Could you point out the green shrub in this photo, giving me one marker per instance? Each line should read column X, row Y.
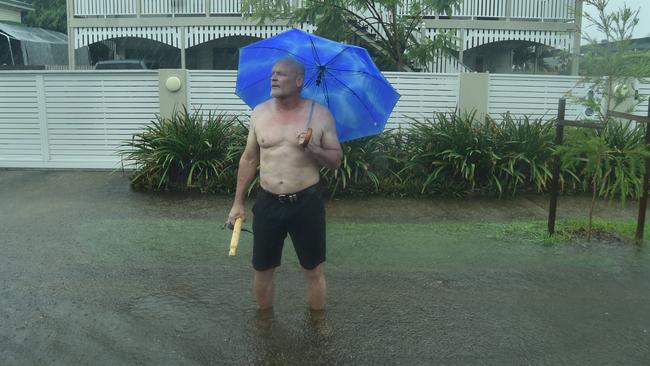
column 187, row 152
column 610, row 162
column 450, row 154
column 365, row 164
column 525, row 148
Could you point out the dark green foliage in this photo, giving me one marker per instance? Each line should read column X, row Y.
column 187, row 151
column 526, row 148
column 449, row 154
column 364, row 162
column 48, row 14
column 609, row 162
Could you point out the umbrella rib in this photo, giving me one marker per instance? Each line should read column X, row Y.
column 327, row 95
column 337, row 55
column 353, row 93
column 313, row 50
column 308, row 82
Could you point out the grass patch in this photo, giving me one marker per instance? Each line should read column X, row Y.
column 445, row 247
column 572, row 230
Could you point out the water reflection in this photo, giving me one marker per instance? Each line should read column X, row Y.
column 283, row 341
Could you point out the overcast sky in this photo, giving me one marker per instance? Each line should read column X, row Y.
column 642, row 29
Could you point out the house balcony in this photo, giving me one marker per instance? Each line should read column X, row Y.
column 513, row 10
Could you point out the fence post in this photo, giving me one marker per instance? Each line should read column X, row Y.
column 173, row 91
column 473, row 93
column 555, row 178
column 640, row 224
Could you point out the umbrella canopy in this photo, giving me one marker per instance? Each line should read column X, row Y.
column 341, row 77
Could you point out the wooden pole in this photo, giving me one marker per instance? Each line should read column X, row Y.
column 234, row 241
column 555, row 178
column 640, row 224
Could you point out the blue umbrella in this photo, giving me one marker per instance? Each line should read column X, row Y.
column 341, row 77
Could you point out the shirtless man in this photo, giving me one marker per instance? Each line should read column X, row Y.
column 288, row 200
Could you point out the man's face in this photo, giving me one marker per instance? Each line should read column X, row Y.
column 285, row 80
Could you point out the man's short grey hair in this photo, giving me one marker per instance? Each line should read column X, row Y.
column 296, row 65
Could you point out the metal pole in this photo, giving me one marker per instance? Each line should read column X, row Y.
column 555, row 178
column 640, row 224
column 11, row 52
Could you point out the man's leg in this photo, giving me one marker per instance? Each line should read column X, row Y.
column 316, row 287
column 263, row 287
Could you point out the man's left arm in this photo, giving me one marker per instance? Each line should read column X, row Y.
column 327, row 151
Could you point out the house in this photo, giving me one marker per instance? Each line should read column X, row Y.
column 205, row 34
column 11, row 10
column 29, row 47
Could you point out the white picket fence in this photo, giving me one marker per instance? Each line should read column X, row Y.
column 63, row 119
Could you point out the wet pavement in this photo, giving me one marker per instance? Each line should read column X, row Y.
column 92, row 273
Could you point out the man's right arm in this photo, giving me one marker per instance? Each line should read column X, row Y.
column 247, row 170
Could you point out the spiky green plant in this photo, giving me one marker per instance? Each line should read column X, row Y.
column 451, row 151
column 610, row 162
column 364, row 162
column 186, row 151
column 525, row 148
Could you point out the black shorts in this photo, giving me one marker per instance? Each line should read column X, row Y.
column 301, row 215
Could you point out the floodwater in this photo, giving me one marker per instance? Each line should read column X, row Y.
column 94, row 274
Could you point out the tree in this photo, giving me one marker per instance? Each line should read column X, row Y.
column 605, row 65
column 48, row 14
column 391, row 29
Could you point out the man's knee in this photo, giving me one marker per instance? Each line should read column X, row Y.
column 264, row 276
column 315, row 274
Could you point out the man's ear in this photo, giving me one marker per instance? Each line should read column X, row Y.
column 300, row 80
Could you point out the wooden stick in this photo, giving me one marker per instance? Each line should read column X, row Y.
column 234, row 241
column 305, row 142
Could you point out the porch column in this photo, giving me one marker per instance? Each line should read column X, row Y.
column 577, row 34
column 72, row 62
column 183, row 47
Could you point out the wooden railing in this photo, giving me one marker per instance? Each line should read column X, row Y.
column 558, row 10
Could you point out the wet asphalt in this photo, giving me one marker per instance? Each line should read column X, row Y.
column 92, row 273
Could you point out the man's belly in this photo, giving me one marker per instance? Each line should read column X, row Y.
column 287, row 179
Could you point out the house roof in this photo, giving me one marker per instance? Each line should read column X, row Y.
column 23, row 5
column 30, row 34
column 636, row 44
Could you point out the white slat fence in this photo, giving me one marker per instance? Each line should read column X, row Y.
column 72, row 119
column 63, row 119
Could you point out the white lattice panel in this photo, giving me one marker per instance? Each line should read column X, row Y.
column 478, row 37
column 166, row 35
column 201, row 34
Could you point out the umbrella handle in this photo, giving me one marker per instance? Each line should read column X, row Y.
column 307, row 138
column 235, row 237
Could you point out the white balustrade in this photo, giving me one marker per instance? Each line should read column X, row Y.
column 561, row 10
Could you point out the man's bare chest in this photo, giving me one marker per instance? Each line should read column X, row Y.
column 273, row 133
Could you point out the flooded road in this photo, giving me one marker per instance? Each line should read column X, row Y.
column 94, row 274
